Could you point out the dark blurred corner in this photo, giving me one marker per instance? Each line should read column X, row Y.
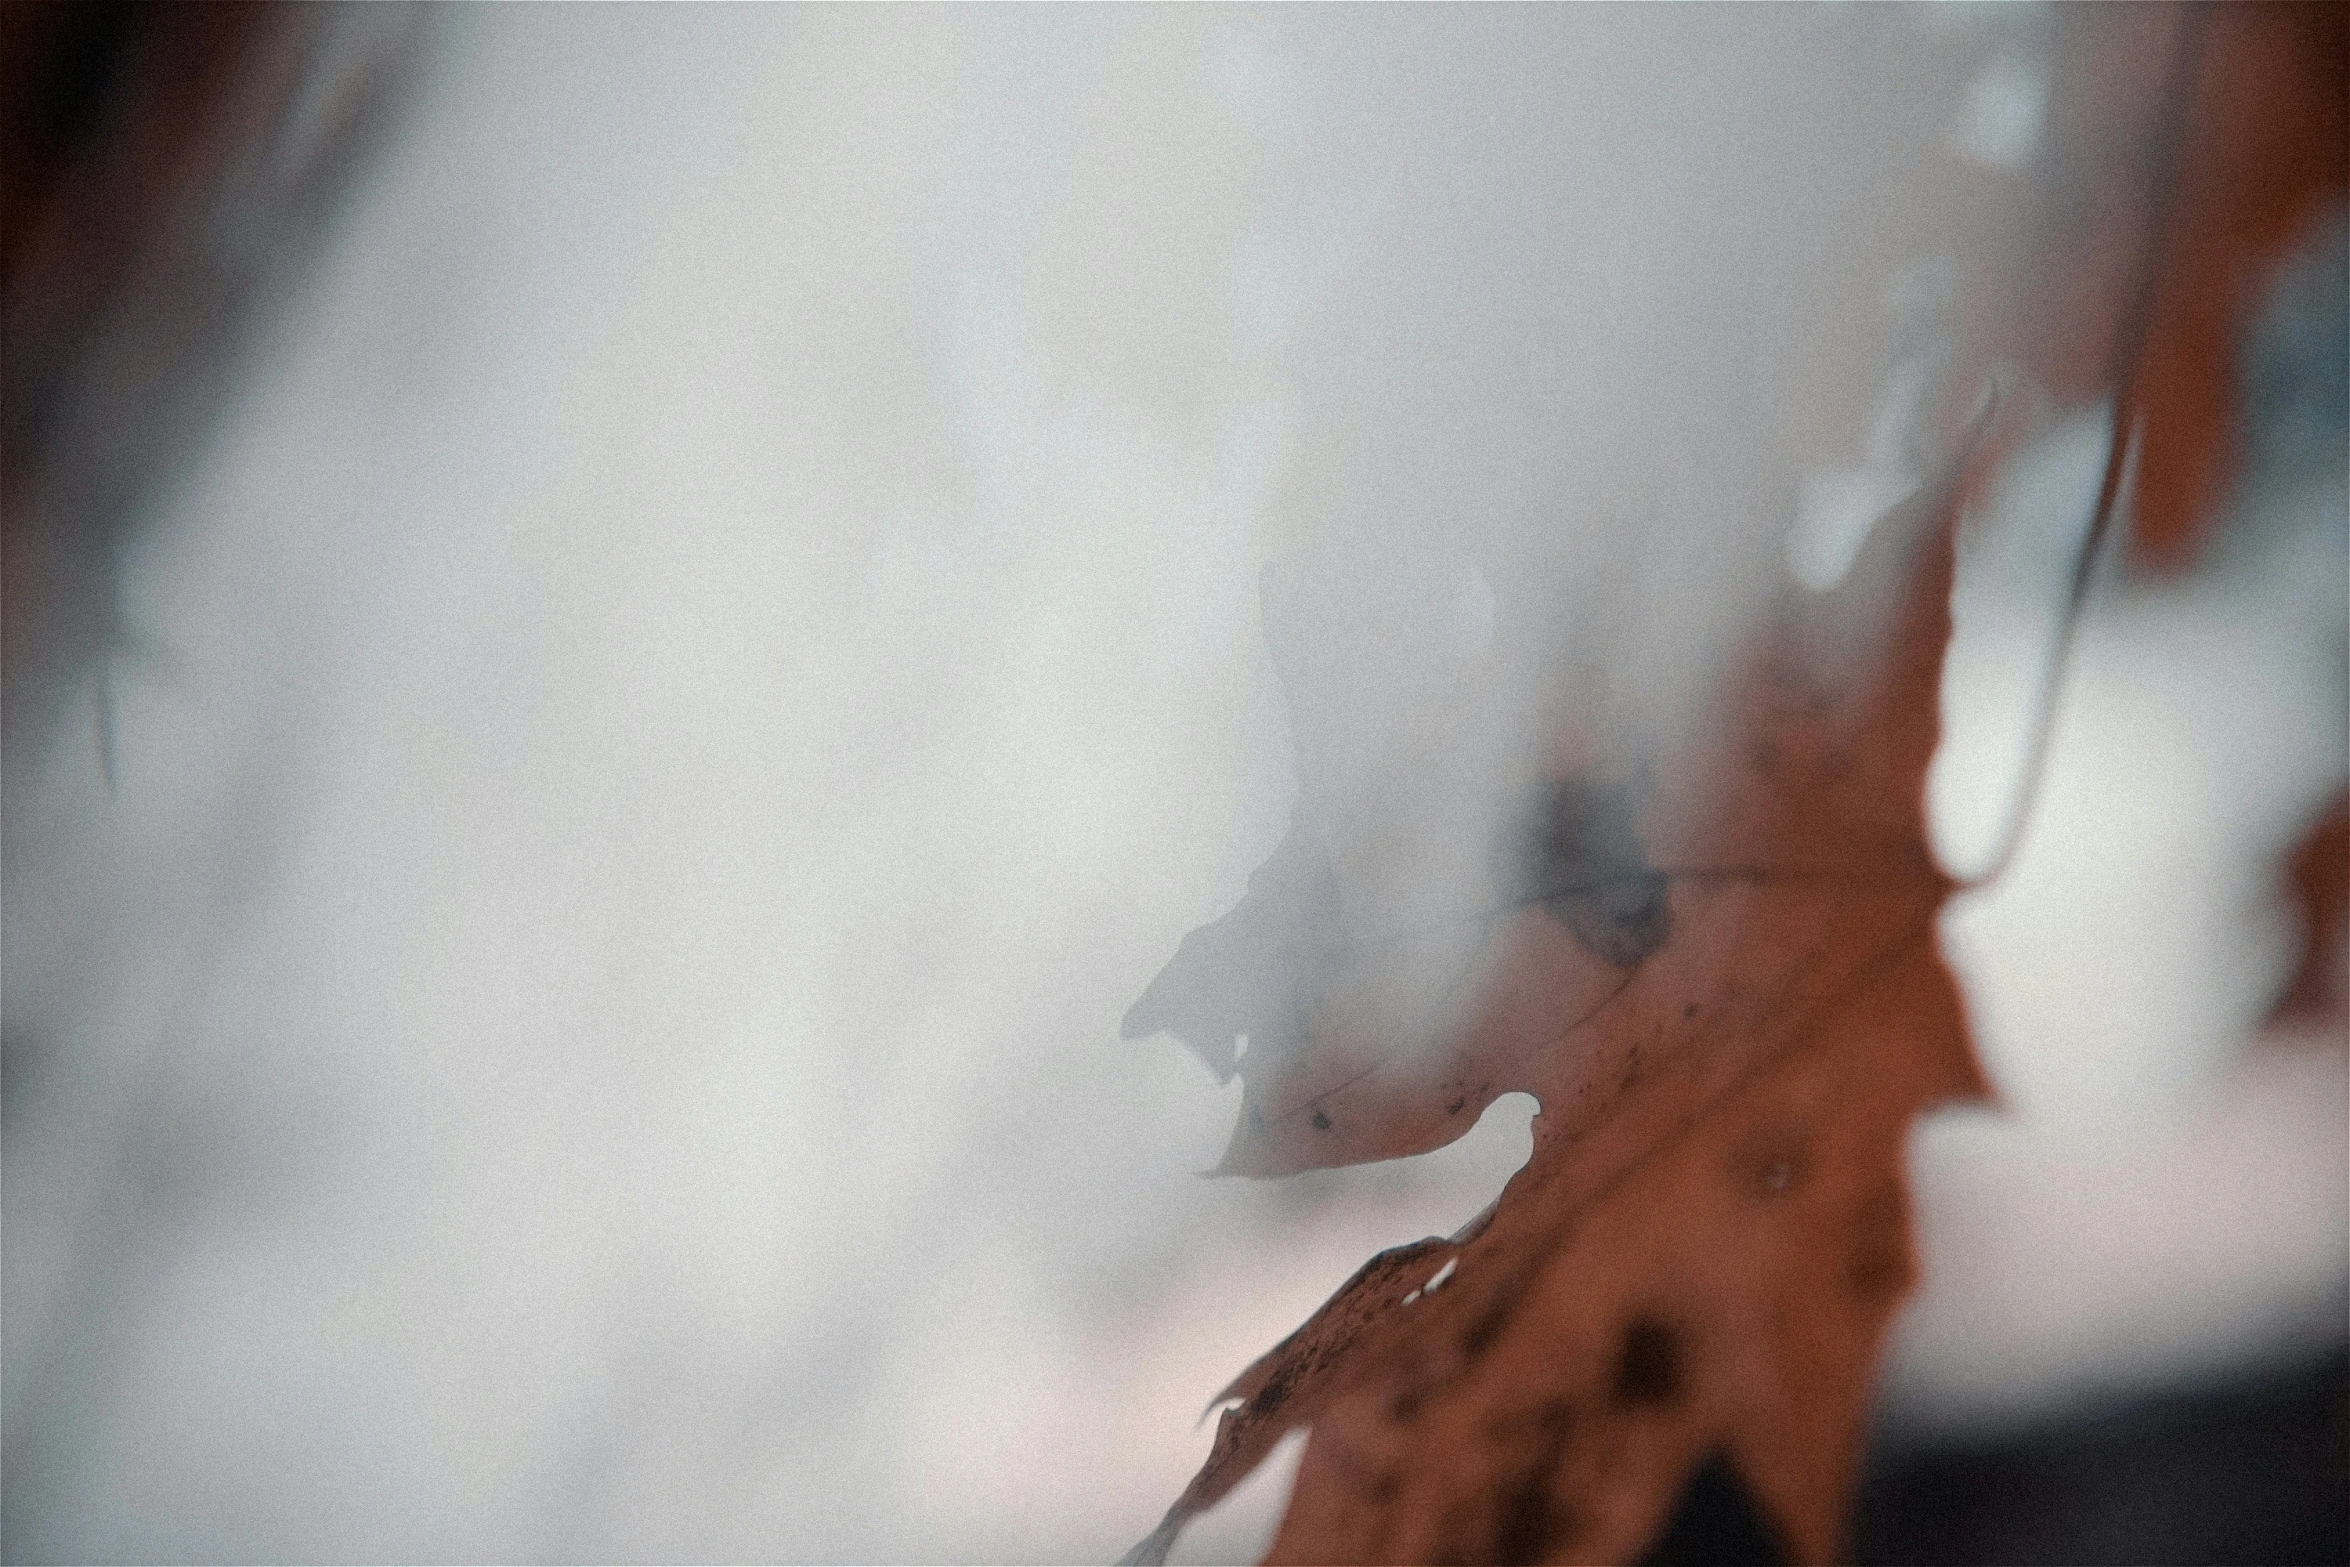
column 167, row 170
column 2253, row 1472
column 2256, row 1471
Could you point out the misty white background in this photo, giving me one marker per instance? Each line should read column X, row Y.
column 717, row 649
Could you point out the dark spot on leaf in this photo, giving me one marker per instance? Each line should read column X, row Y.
column 1483, row 1332
column 1622, row 920
column 1386, row 1488
column 1773, row 1162
column 1455, row 1107
column 1524, row 1528
column 1406, row 1406
column 1272, row 1395
column 1648, row 1366
column 1321, row 1122
column 1578, row 855
column 1689, row 1011
column 1716, row 1523
column 1530, row 1524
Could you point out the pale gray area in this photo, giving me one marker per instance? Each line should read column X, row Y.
column 720, row 649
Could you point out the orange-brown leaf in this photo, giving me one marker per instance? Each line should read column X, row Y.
column 2266, row 151
column 2318, row 878
column 2194, row 148
column 1718, row 974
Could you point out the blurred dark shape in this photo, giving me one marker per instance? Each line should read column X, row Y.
column 1716, row 1524
column 168, row 170
column 1579, row 856
column 2256, row 1472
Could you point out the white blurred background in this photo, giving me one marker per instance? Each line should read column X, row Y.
column 715, row 648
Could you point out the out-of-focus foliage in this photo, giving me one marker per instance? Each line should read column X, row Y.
column 169, row 172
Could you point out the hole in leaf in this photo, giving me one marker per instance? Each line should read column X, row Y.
column 1716, row 1523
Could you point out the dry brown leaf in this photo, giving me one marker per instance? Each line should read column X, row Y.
column 1716, row 968
column 1721, row 981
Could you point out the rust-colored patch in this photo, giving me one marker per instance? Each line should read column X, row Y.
column 2318, row 881
column 1648, row 1366
column 1709, row 1239
column 2266, row 151
column 1725, row 989
column 2192, row 148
